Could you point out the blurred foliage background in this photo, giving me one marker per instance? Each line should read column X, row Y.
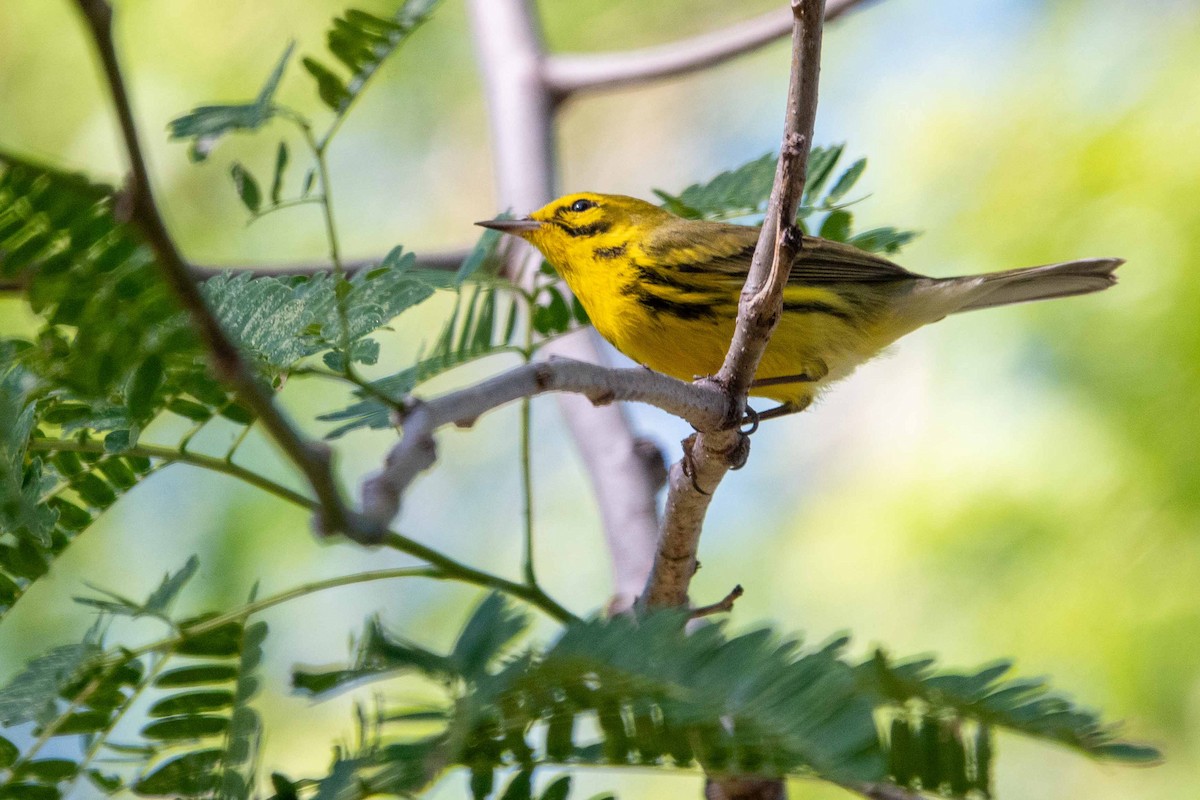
column 1023, row 482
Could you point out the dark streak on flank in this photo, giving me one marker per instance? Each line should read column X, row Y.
column 816, row 307
column 609, row 253
column 734, row 263
column 663, row 278
column 686, row 311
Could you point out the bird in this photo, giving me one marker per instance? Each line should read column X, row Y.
column 664, row 291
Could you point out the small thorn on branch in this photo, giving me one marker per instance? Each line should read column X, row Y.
column 724, row 606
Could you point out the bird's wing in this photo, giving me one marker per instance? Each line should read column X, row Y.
column 824, row 261
column 723, row 252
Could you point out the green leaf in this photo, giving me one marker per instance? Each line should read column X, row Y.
column 821, row 161
column 282, row 321
column 109, row 784
column 191, row 703
column 836, row 226
column 281, row 161
column 380, row 655
column 189, row 775
column 225, row 640
column 196, row 675
column 559, row 789
column 9, row 753
column 467, row 336
column 362, row 42
column 48, row 770
column 162, row 597
column 192, row 726
column 487, row 633
column 247, row 187
column 205, row 125
column 554, row 316
column 845, row 182
column 520, row 787
column 482, row 254
column 329, row 86
column 1023, row 706
column 31, row 695
column 882, row 240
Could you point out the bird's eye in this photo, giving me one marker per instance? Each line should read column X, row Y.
column 582, row 205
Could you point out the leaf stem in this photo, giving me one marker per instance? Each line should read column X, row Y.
column 449, row 568
column 527, row 462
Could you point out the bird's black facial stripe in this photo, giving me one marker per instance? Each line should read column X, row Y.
column 584, row 230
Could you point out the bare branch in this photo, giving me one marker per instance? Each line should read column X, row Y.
column 567, row 74
column 723, row 606
column 416, row 451
column 312, row 458
column 711, row 453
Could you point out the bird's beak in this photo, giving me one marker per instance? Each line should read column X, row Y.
column 513, row 226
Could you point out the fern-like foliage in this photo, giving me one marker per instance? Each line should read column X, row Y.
column 202, row 737
column 80, row 394
column 361, row 42
column 743, row 193
column 939, row 725
column 282, row 321
column 46, row 498
column 485, row 320
column 642, row 691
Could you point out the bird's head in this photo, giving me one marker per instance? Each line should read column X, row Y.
column 574, row 226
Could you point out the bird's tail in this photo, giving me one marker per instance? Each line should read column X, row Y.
column 1040, row 283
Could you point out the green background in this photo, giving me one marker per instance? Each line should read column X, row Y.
column 1022, row 482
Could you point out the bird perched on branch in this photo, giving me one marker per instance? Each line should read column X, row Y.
column 664, row 291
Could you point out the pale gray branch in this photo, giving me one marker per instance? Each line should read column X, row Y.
column 416, row 451
column 570, row 73
column 711, row 453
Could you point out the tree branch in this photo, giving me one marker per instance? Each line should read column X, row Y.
column 708, row 455
column 312, row 458
column 568, row 74
column 417, row 451
column 722, row 606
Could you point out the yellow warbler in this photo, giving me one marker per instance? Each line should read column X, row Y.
column 664, row 291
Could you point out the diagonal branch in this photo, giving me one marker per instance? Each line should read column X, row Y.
column 567, row 74
column 709, row 454
column 702, row 406
column 313, row 459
